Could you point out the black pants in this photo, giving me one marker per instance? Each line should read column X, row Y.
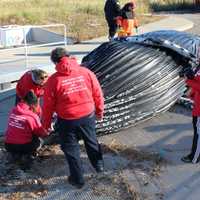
column 70, row 131
column 23, row 149
column 195, row 154
column 112, row 27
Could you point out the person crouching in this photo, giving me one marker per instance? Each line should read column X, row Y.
column 33, row 80
column 23, row 130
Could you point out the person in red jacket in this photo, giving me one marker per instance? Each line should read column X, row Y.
column 74, row 93
column 193, row 81
column 33, row 80
column 24, row 128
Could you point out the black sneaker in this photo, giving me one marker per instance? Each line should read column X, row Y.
column 186, row 159
column 75, row 184
column 99, row 167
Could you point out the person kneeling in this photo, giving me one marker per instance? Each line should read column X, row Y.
column 23, row 131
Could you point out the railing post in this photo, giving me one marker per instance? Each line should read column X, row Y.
column 25, row 47
column 65, row 35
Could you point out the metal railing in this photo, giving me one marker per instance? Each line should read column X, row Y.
column 26, row 46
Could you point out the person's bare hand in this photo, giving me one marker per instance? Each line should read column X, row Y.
column 99, row 118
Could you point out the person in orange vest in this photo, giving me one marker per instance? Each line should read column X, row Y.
column 127, row 21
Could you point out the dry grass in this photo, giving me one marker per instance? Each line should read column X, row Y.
column 150, row 162
column 31, row 184
column 131, row 153
column 84, row 18
column 145, row 166
column 35, row 183
column 112, row 185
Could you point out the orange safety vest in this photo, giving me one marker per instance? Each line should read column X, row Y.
column 126, row 26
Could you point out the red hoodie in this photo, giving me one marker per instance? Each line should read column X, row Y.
column 22, row 124
column 25, row 84
column 195, row 93
column 72, row 92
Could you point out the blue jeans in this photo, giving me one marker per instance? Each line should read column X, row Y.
column 70, row 131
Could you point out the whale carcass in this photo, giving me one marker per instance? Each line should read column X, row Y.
column 140, row 75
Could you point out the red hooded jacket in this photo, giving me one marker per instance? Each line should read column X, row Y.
column 25, row 84
column 22, row 125
column 195, row 93
column 72, row 92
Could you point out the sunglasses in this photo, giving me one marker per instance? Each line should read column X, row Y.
column 43, row 77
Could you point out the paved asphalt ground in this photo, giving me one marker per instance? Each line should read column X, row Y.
column 195, row 18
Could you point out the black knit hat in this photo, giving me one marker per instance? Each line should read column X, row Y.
column 58, row 53
column 31, row 98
